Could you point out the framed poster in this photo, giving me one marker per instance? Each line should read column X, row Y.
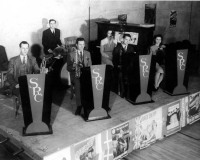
column 193, row 109
column 150, row 14
column 86, row 149
column 120, row 140
column 173, row 19
column 172, row 118
column 184, row 105
column 116, row 142
column 134, row 37
column 147, row 129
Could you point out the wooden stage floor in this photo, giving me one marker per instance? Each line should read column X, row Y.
column 69, row 129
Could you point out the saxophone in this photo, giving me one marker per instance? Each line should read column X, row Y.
column 43, row 68
column 78, row 65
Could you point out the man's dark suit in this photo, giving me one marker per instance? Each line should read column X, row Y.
column 122, row 61
column 14, row 70
column 71, row 68
column 3, row 59
column 50, row 40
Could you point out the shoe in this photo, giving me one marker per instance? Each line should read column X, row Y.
column 154, row 88
column 78, row 110
column 108, row 110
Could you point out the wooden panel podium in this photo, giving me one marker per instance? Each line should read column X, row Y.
column 36, row 101
column 139, row 90
column 177, row 73
column 95, row 91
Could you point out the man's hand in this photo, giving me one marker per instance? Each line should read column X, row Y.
column 62, row 45
column 17, row 86
column 50, row 51
column 79, row 64
column 105, row 55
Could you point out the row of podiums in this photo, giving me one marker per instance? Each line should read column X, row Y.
column 95, row 88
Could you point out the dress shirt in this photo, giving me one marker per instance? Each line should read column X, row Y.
column 53, row 31
column 22, row 58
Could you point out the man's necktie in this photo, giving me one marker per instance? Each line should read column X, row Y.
column 24, row 60
column 125, row 48
column 81, row 56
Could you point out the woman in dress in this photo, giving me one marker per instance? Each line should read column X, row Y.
column 157, row 52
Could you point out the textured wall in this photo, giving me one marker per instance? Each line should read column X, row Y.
column 136, row 10
column 26, row 19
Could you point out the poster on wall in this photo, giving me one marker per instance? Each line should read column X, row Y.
column 193, row 109
column 184, row 105
column 116, row 142
column 134, row 37
column 120, row 140
column 172, row 117
column 147, row 129
column 173, row 18
column 62, row 154
column 107, row 147
column 86, row 150
column 150, row 14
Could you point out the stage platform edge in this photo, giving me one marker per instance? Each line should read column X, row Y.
column 131, row 127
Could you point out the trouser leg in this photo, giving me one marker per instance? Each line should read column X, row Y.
column 77, row 91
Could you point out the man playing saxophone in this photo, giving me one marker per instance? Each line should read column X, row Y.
column 75, row 61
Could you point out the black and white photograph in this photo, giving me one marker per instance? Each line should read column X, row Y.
column 99, row 80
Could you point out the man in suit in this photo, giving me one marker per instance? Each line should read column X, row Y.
column 20, row 65
column 123, row 55
column 75, row 61
column 51, row 38
column 3, row 59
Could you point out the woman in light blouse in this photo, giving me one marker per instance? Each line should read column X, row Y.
column 107, row 46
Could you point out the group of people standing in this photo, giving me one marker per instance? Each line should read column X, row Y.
column 25, row 63
column 122, row 55
column 119, row 55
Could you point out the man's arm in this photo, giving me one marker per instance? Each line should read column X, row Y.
column 10, row 74
column 58, row 38
column 89, row 63
column 70, row 62
column 36, row 68
column 44, row 40
column 102, row 49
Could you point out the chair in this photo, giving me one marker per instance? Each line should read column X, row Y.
column 70, row 43
column 3, row 65
column 3, row 77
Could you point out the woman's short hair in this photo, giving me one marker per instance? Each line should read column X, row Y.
column 156, row 36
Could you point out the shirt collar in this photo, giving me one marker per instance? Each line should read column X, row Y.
column 79, row 52
column 52, row 30
column 23, row 56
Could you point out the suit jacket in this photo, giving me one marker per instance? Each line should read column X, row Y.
column 71, row 58
column 14, row 67
column 126, row 56
column 3, row 59
column 49, row 40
